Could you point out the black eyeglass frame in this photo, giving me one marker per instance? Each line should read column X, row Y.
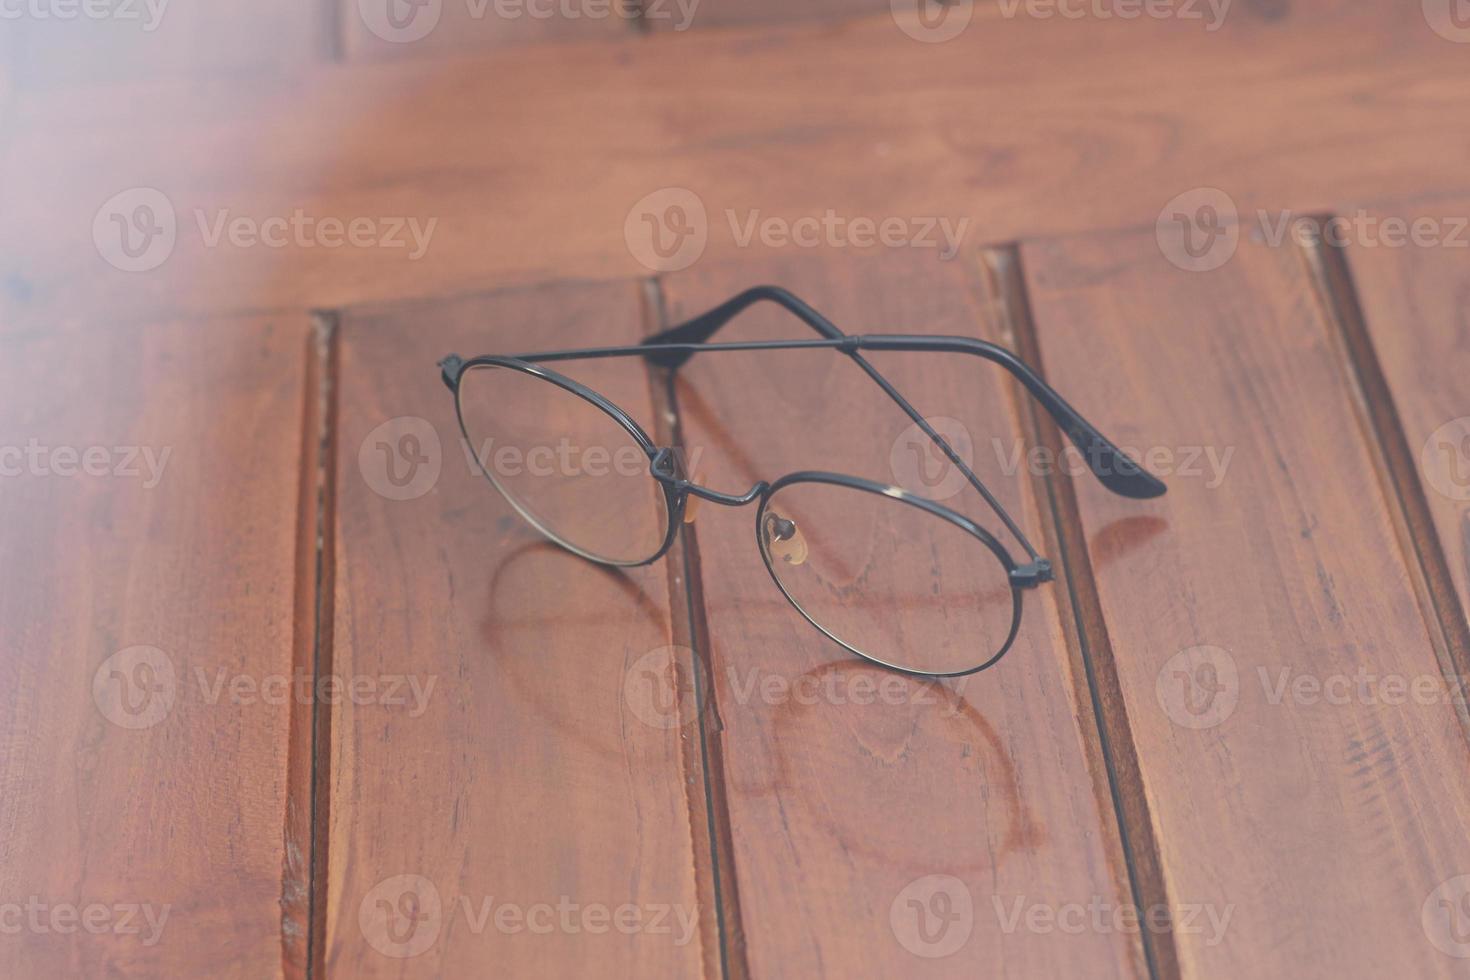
column 673, row 347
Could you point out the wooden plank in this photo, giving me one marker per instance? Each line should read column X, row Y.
column 1303, row 756
column 378, row 29
column 150, row 511
column 862, row 801
column 533, row 775
column 1413, row 307
column 497, row 158
column 66, row 45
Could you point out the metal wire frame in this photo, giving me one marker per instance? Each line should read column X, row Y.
column 673, row 347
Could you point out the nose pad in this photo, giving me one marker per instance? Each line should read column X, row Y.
column 783, row 538
column 691, row 508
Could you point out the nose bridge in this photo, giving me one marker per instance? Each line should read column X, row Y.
column 727, row 499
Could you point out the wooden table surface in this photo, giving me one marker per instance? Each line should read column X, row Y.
column 286, row 689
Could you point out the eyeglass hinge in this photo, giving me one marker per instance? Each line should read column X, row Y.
column 449, row 369
column 1031, row 574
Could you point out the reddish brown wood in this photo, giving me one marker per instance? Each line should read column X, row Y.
column 532, row 160
column 838, row 807
column 149, row 625
column 1299, row 808
column 1412, row 300
column 439, row 27
column 534, row 774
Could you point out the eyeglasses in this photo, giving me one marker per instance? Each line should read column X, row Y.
column 899, row 580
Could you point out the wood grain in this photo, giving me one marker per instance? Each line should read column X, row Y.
column 530, row 180
column 1245, row 611
column 148, row 628
column 439, row 27
column 993, row 781
column 534, row 775
column 1413, row 300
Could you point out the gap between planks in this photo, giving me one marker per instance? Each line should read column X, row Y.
column 1383, row 433
column 303, row 920
column 700, row 725
column 1088, row 642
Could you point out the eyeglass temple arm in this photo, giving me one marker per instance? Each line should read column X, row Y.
column 1107, row 462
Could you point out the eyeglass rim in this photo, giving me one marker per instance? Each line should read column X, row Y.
column 913, row 500
column 676, row 499
column 673, row 499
